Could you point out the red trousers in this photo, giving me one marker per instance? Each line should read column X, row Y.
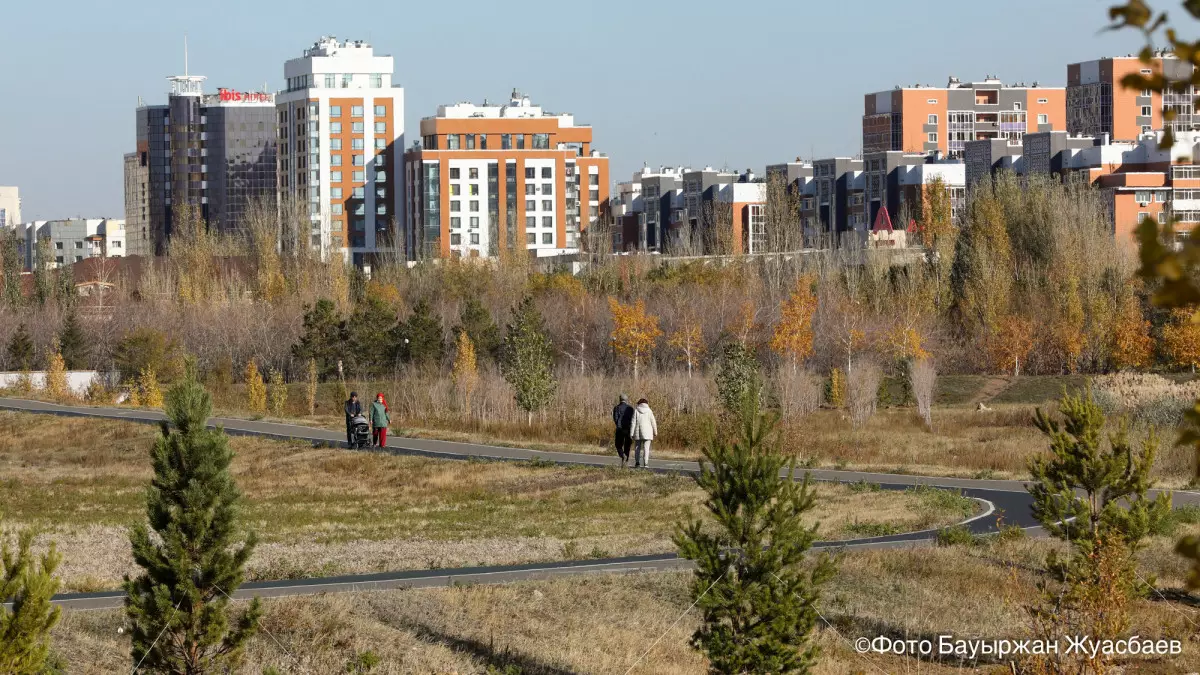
column 380, row 436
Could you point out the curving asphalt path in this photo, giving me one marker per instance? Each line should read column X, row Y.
column 1004, row 501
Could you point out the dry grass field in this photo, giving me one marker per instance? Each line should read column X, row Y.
column 323, row 511
column 604, row 624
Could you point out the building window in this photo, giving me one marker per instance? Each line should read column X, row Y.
column 547, row 205
column 358, row 193
column 474, row 205
column 356, row 127
column 1161, row 196
column 335, row 193
column 451, row 141
column 78, row 258
column 335, row 127
column 358, row 160
column 455, row 189
column 1142, row 196
column 335, row 160
column 475, row 223
column 360, row 176
column 1147, row 111
column 453, row 173
column 594, row 195
column 547, row 221
column 380, row 111
column 547, row 188
column 530, row 222
column 594, row 179
column 356, row 144
column 530, row 189
column 455, row 222
column 473, row 174
column 1143, row 216
column 474, row 189
column 335, row 111
column 380, row 127
column 1043, row 119
column 520, row 141
column 58, row 245
column 932, row 137
column 335, row 144
column 932, row 119
column 455, row 239
column 530, row 173
column 376, row 80
column 530, row 238
column 483, row 141
column 336, row 209
column 475, row 238
column 531, row 205
column 547, row 238
column 59, row 259
column 380, row 143
column 546, row 172
column 506, row 141
column 356, row 111
column 455, row 205
column 337, row 224
column 541, row 141
column 470, row 141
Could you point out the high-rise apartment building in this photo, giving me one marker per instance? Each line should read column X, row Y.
column 10, row 206
column 502, row 177
column 923, row 119
column 1098, row 104
column 210, row 154
column 341, row 138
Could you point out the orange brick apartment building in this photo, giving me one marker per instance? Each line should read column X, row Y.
column 486, row 179
column 925, row 119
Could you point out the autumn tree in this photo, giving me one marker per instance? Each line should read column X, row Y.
column 276, row 392
column 10, row 268
column 981, row 277
column 476, row 321
column 323, row 337
column 57, row 386
column 369, row 338
column 1181, row 340
column 256, row 389
column 939, row 235
column 635, row 333
column 419, row 339
column 310, row 387
column 72, row 343
column 1010, row 343
column 20, row 349
column 528, row 363
column 464, row 373
column 793, row 335
column 1132, row 345
column 688, row 340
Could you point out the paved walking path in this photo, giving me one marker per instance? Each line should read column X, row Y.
column 1005, row 502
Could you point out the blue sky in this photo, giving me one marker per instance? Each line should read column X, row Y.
column 734, row 84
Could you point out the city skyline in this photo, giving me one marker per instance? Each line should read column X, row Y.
column 693, row 102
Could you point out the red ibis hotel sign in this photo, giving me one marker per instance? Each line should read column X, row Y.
column 234, row 96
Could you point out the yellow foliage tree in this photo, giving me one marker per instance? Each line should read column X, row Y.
column 689, row 340
column 1132, row 345
column 905, row 343
column 1181, row 340
column 57, row 386
column 277, row 392
column 135, row 393
column 151, row 394
column 1010, row 343
column 793, row 335
column 464, row 374
column 256, row 389
column 635, row 333
column 837, row 388
column 311, row 387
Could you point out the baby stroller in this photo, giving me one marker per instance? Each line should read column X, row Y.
column 360, row 432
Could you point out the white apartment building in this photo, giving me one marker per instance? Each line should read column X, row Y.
column 74, row 240
column 10, row 206
column 341, row 147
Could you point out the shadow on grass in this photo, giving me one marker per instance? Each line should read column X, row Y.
column 503, row 659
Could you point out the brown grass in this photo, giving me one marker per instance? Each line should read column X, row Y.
column 603, row 624
column 322, row 511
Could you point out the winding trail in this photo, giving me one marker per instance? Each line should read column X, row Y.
column 1004, row 502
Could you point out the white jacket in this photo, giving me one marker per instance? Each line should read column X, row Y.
column 645, row 427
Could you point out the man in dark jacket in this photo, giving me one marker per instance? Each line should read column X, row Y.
column 623, row 421
column 353, row 409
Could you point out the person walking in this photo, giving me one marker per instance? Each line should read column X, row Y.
column 623, row 422
column 645, row 428
column 379, row 421
column 353, row 409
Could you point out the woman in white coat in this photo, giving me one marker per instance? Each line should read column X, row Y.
column 645, row 428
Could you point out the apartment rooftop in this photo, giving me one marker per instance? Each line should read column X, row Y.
column 518, row 106
column 328, row 45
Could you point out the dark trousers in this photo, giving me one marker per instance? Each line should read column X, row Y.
column 349, row 433
column 624, row 443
